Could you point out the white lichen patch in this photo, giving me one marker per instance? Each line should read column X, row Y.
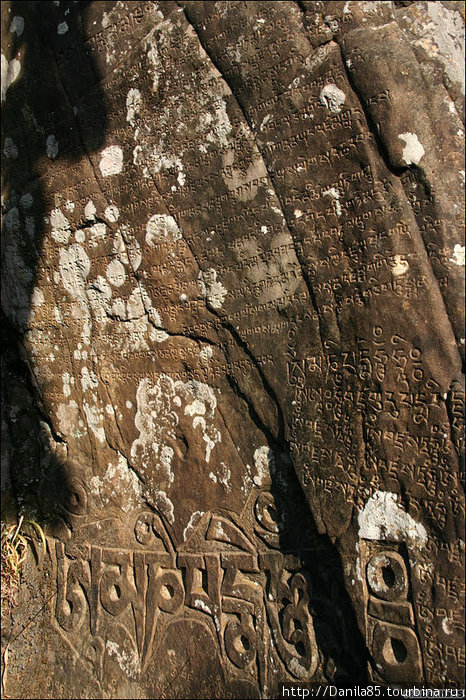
column 214, row 124
column 439, row 32
column 155, row 65
column 193, row 521
column 332, row 98
column 400, row 265
column 264, row 463
column 97, row 233
column 133, row 106
column 10, row 71
column 162, row 228
column 161, row 501
column 62, row 28
column 160, row 406
column 213, row 290
column 37, row 297
column 127, row 248
column 119, row 483
column 205, row 354
column 413, row 150
column 9, row 148
column 68, row 418
column 127, row 661
column 112, row 213
column 95, row 417
column 61, row 228
column 66, row 379
column 17, row 25
column 458, row 255
column 334, row 193
column 224, row 474
column 89, row 380
column 446, row 626
column 111, row 161
column 74, row 268
column 90, row 211
column 384, row 518
column 51, row 146
column 116, row 273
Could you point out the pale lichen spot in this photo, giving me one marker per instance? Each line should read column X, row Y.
column 413, row 150
column 332, row 97
column 399, row 266
column 17, row 25
column 211, row 288
column 384, row 518
column 74, row 268
column 162, row 227
column 97, row 233
column 458, row 255
column 88, row 379
column 9, row 73
column 37, row 298
column 51, row 146
column 446, row 626
column 62, row 28
column 61, row 228
column 264, row 463
column 66, row 384
column 133, row 105
column 334, row 193
column 9, row 148
column 111, row 161
column 68, row 416
column 165, row 505
column 112, row 213
column 90, row 211
column 205, row 354
column 94, row 417
column 127, row 661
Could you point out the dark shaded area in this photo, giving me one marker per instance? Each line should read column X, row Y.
column 54, row 110
column 338, row 637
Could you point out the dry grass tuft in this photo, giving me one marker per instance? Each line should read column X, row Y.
column 14, row 549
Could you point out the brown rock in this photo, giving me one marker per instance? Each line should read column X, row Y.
column 233, row 296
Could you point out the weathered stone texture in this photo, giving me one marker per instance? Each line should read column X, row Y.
column 233, row 292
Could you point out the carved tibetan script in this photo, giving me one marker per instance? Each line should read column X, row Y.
column 233, row 273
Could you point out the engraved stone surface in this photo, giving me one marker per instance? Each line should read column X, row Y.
column 233, row 303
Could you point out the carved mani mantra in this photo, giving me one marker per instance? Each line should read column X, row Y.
column 255, row 602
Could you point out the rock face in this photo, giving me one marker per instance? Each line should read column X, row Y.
column 233, row 300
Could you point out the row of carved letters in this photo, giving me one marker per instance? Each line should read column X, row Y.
column 223, row 586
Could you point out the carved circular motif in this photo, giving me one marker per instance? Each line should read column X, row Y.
column 266, row 512
column 143, row 528
column 387, row 576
